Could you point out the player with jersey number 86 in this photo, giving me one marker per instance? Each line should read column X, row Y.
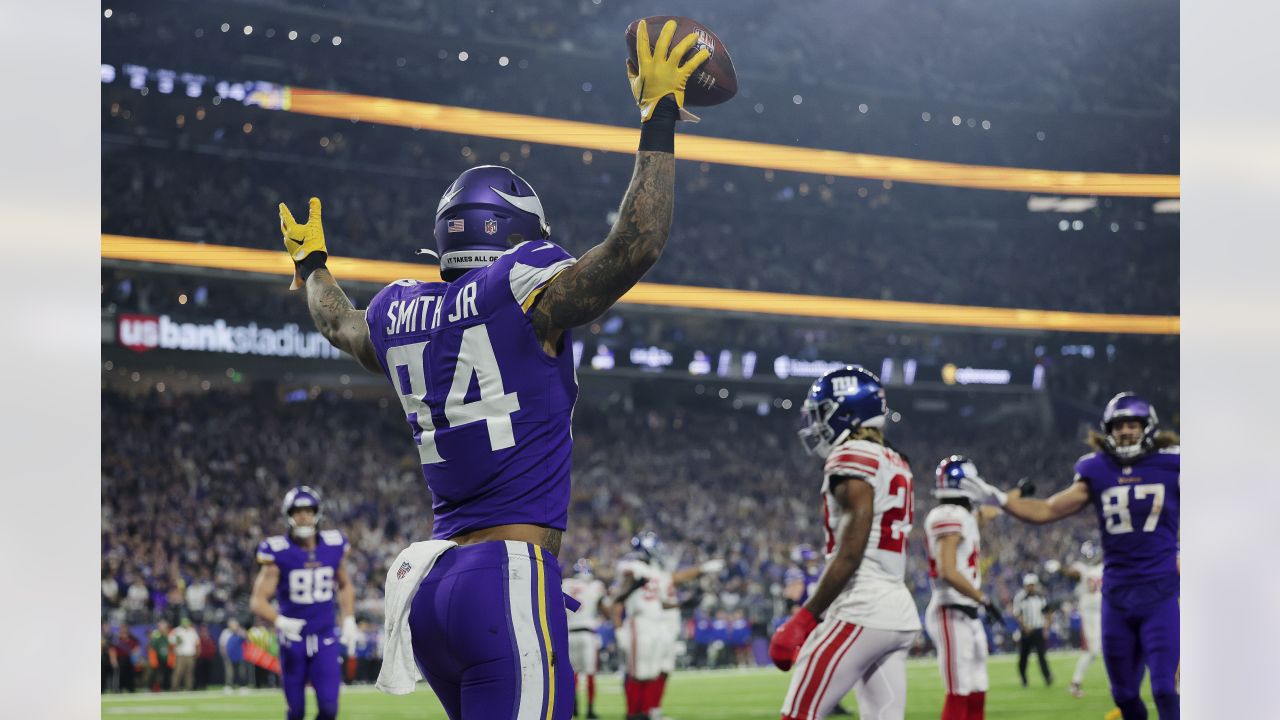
column 858, row 624
column 306, row 572
column 1132, row 479
column 483, row 368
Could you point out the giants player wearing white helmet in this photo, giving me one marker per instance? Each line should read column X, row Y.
column 954, row 544
column 1087, row 572
column 857, row 626
column 584, row 642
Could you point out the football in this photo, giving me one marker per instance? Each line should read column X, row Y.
column 712, row 83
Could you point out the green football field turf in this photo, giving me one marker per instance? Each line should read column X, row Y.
column 754, row 693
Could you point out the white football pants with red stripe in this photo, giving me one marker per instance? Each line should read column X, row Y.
column 643, row 642
column 840, row 656
column 962, row 649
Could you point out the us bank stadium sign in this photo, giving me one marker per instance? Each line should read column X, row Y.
column 142, row 333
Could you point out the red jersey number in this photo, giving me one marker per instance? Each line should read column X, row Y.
column 891, row 536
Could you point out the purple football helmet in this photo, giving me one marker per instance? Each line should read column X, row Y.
column 297, row 499
column 803, row 554
column 839, row 403
column 478, row 214
column 1124, row 406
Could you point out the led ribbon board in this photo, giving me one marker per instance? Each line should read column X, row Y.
column 275, row 262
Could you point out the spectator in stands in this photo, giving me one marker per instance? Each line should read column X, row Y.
column 205, row 655
column 128, row 657
column 109, row 661
column 159, row 657
column 197, row 596
column 231, row 646
column 137, row 600
column 185, row 646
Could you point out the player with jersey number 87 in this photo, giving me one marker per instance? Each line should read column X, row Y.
column 856, row 627
column 1132, row 479
column 482, row 364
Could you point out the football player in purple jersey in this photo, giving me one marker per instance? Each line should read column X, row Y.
column 306, row 571
column 1132, row 481
column 483, row 366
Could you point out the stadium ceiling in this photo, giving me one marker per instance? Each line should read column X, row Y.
column 591, row 136
column 272, row 262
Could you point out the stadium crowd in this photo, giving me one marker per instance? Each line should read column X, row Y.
column 191, row 483
column 1092, row 83
column 208, row 180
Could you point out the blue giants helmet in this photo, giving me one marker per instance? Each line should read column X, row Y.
column 1124, row 406
column 297, row 499
column 838, row 403
column 1089, row 550
column 648, row 546
column 951, row 475
column 582, row 568
column 479, row 212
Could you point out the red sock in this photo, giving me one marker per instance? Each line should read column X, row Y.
column 662, row 689
column 632, row 688
column 591, row 691
column 651, row 695
column 956, row 707
column 977, row 705
column 575, row 689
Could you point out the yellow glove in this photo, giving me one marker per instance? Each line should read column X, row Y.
column 660, row 73
column 302, row 240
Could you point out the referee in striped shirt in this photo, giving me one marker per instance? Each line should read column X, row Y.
column 1028, row 607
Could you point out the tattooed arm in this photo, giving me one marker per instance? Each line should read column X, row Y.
column 585, row 290
column 337, row 319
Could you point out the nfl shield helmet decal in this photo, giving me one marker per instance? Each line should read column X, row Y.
column 491, row 226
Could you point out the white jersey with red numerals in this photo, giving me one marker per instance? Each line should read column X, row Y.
column 645, row 636
column 1089, row 587
column 589, row 592
column 953, row 520
column 876, row 596
column 647, row 603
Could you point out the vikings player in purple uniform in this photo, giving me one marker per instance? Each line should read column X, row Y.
column 800, row 579
column 1132, row 480
column 306, row 570
column 483, row 367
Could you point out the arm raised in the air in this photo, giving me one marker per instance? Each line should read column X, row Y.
column 604, row 273
column 335, row 317
column 339, row 321
column 585, row 290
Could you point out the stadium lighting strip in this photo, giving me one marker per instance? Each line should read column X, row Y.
column 272, row 262
column 591, row 136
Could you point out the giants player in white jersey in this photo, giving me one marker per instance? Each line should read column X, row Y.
column 584, row 641
column 642, row 609
column 864, row 616
column 1087, row 573
column 954, row 545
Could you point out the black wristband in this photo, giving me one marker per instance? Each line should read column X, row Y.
column 310, row 264
column 658, row 133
